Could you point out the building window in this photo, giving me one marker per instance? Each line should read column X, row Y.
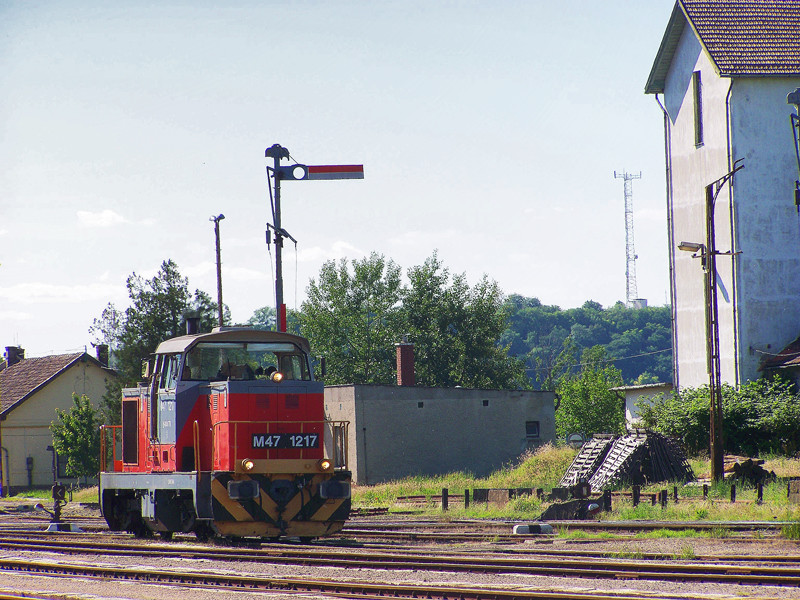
column 532, row 430
column 697, row 92
column 61, row 466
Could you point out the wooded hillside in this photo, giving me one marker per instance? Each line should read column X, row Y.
column 551, row 340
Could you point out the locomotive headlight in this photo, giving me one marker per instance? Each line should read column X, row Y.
column 248, row 464
column 277, row 377
column 324, row 464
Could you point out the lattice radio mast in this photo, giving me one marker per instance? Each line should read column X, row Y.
column 631, row 295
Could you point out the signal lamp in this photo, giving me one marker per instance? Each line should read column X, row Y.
column 248, row 464
column 324, row 464
column 277, row 377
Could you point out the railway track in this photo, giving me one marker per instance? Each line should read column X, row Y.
column 586, row 566
column 336, row 588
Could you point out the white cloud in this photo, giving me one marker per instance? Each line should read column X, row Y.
column 109, row 218
column 424, row 239
column 245, row 274
column 3, row 231
column 12, row 315
column 104, row 218
column 339, row 249
column 47, row 293
column 201, row 270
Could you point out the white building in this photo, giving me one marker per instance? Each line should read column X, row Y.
column 721, row 78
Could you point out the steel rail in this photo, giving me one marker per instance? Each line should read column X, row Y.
column 348, row 588
column 604, row 568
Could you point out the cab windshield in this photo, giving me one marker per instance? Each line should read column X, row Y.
column 217, row 361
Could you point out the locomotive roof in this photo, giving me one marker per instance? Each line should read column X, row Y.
column 230, row 334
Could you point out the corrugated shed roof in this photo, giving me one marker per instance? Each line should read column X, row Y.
column 743, row 38
column 788, row 357
column 19, row 381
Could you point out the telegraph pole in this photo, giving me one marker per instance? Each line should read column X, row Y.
column 708, row 254
column 295, row 172
column 216, row 221
column 712, row 326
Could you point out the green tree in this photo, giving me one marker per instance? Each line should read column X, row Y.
column 263, row 319
column 586, row 403
column 158, row 310
column 757, row 417
column 76, row 437
column 456, row 329
column 356, row 312
column 350, row 317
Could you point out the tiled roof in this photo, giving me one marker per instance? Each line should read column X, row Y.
column 749, row 37
column 744, row 38
column 21, row 379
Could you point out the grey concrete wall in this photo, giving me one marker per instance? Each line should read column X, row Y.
column 397, row 432
column 768, row 268
column 759, row 289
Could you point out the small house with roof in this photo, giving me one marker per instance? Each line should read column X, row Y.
column 31, row 389
column 721, row 77
column 784, row 364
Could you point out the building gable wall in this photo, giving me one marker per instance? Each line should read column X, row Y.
column 26, row 428
column 693, row 167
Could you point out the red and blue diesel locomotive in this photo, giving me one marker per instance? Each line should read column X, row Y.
column 227, row 436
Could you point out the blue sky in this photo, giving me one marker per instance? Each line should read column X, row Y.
column 489, row 131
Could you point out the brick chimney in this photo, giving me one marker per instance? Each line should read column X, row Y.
column 14, row 354
column 405, row 362
column 102, row 354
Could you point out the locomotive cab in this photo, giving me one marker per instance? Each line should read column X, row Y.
column 228, row 436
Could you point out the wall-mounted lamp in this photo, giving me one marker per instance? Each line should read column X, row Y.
column 690, row 247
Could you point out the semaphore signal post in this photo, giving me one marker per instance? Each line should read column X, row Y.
column 294, row 172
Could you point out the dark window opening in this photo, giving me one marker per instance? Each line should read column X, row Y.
column 697, row 92
column 130, row 431
column 419, row 404
column 486, row 403
column 531, row 429
column 61, row 466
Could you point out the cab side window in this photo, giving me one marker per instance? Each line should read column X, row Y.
column 293, row 366
column 169, row 371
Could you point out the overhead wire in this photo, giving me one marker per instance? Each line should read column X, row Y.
column 605, row 360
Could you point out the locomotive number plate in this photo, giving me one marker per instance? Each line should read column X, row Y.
column 285, row 440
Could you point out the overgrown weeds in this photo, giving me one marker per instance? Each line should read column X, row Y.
column 544, row 467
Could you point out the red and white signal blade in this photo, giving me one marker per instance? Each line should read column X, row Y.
column 335, row 171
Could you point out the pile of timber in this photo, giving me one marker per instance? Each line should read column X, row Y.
column 590, row 457
column 747, row 470
column 639, row 458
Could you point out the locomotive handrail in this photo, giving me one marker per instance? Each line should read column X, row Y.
column 196, row 441
column 340, row 462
